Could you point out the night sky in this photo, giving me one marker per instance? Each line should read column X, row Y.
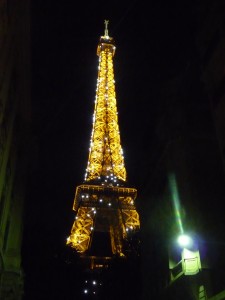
column 155, row 41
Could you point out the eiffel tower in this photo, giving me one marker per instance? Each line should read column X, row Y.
column 106, row 217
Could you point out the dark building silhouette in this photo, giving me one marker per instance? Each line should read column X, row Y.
column 189, row 139
column 14, row 141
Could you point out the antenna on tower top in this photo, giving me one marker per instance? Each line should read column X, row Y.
column 106, row 27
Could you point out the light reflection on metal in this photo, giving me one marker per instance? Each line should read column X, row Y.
column 105, row 154
column 104, row 192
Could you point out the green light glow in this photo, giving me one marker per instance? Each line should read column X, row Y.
column 176, row 202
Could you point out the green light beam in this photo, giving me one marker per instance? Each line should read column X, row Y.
column 176, row 202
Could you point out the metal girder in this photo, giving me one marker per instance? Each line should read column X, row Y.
column 103, row 203
column 105, row 153
column 81, row 231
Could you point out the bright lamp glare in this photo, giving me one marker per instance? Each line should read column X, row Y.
column 184, row 240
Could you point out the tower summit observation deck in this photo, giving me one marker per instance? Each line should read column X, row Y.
column 106, row 217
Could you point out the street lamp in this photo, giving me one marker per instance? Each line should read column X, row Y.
column 185, row 241
column 190, row 256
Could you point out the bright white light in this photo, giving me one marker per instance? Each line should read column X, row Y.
column 85, row 291
column 184, row 240
column 94, row 282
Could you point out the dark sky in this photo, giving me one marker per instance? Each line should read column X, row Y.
column 154, row 41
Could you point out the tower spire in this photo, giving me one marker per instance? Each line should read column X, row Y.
column 106, row 28
column 106, row 161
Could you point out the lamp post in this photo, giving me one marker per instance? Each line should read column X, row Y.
column 190, row 256
column 185, row 276
column 186, row 259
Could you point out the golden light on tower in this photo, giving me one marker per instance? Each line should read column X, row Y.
column 106, row 155
column 104, row 203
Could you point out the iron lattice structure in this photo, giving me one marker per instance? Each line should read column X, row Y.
column 103, row 204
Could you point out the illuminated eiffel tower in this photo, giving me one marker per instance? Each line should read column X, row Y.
column 106, row 217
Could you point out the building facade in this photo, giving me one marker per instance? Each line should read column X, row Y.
column 190, row 137
column 14, row 140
